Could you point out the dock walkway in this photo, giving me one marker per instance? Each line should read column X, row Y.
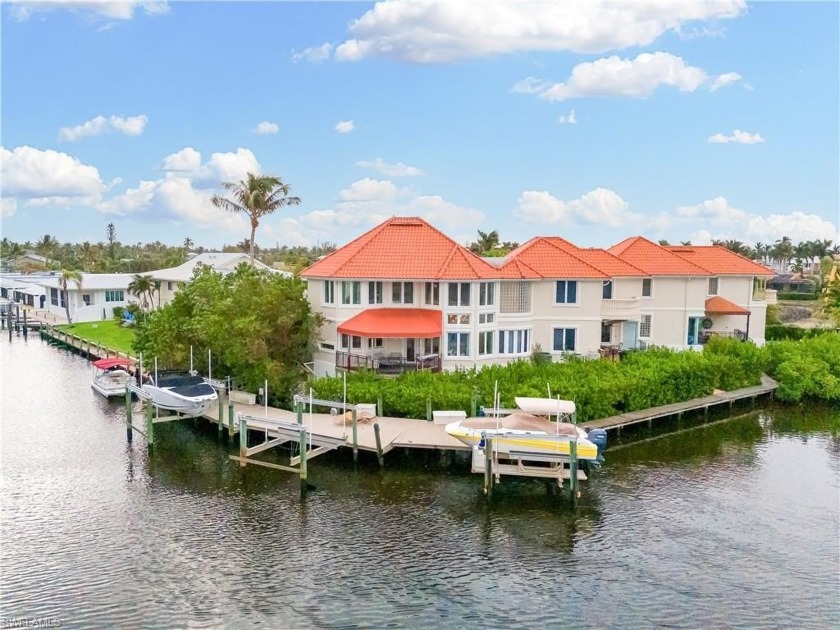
column 767, row 386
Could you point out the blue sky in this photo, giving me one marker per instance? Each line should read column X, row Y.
column 592, row 121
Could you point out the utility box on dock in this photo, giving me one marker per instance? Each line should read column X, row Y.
column 366, row 410
column 445, row 417
column 245, row 398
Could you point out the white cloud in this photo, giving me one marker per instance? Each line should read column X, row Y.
column 362, row 205
column 737, row 137
column 437, row 32
column 615, row 76
column 130, row 126
column 109, row 9
column 266, row 128
column 728, row 78
column 717, row 219
column 392, row 170
column 47, row 177
column 316, row 54
column 344, row 126
column 187, row 160
column 221, row 167
column 601, row 206
column 567, row 119
column 8, row 206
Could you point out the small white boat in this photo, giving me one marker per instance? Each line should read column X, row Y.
column 182, row 392
column 527, row 432
column 110, row 376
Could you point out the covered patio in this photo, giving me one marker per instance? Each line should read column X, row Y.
column 391, row 340
column 721, row 317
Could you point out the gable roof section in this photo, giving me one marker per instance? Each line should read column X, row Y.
column 549, row 257
column 654, row 259
column 721, row 306
column 720, row 261
column 402, row 248
column 219, row 261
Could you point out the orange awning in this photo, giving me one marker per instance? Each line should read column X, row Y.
column 394, row 322
column 721, row 306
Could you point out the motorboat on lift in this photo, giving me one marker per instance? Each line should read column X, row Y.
column 529, row 431
column 110, row 376
column 184, row 392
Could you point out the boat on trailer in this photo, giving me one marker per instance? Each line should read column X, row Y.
column 111, row 375
column 184, row 392
column 528, row 431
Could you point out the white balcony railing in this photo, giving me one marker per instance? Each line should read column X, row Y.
column 770, row 297
column 625, row 308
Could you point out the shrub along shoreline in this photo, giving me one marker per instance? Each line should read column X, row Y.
column 805, row 369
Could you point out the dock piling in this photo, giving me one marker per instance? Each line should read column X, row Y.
column 379, row 455
column 243, row 441
column 488, row 467
column 573, row 470
column 128, row 409
column 355, row 438
column 150, row 424
column 230, row 419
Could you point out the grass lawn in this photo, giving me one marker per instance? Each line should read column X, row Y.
column 107, row 333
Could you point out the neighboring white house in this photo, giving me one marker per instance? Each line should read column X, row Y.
column 22, row 289
column 170, row 279
column 405, row 296
column 94, row 300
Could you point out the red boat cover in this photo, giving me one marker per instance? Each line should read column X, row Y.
column 104, row 364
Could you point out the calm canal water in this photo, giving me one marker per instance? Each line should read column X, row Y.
column 733, row 524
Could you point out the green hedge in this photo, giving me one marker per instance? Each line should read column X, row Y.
column 600, row 388
column 781, row 332
column 806, row 368
column 794, row 296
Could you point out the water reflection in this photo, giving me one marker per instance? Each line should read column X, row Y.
column 732, row 523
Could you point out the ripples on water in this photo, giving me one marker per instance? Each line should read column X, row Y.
column 734, row 524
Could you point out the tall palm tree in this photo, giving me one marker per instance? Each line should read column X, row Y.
column 88, row 254
column 46, row 246
column 188, row 244
column 256, row 196
column 783, row 251
column 65, row 277
column 143, row 287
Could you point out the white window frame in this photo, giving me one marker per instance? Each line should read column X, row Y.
column 565, row 330
column 486, row 340
column 714, row 283
column 460, row 339
column 514, row 342
column 486, row 293
column 329, row 292
column 431, row 293
column 375, row 292
column 567, row 284
column 608, row 286
column 650, row 287
column 399, row 290
column 462, row 288
column 642, row 318
column 351, row 292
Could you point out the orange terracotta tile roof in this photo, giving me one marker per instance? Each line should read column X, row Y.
column 654, row 259
column 402, row 248
column 720, row 261
column 549, row 257
column 721, row 306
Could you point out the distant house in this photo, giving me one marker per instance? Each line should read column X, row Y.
column 94, row 300
column 22, row 289
column 169, row 280
column 790, row 283
column 26, row 262
column 405, row 296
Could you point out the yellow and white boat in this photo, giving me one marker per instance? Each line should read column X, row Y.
column 526, row 433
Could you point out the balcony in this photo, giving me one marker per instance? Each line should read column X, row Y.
column 770, row 297
column 390, row 364
column 621, row 309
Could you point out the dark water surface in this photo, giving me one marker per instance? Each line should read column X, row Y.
column 731, row 524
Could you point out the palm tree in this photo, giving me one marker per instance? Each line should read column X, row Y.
column 257, row 196
column 89, row 254
column 64, row 279
column 188, row 244
column 46, row 245
column 111, row 233
column 143, row 287
column 783, row 251
column 486, row 242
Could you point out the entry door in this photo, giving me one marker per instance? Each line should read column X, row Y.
column 694, row 330
column 409, row 350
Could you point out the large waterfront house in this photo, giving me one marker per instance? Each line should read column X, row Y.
column 169, row 280
column 405, row 296
column 93, row 299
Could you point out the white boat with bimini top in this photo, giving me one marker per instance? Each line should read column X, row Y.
column 111, row 375
column 183, row 392
column 527, row 431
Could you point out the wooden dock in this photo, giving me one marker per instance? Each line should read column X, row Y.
column 767, row 387
column 89, row 348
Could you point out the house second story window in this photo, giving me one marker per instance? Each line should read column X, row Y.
column 329, row 292
column 351, row 292
column 566, row 292
column 607, row 290
column 402, row 293
column 459, row 294
column 486, row 293
column 713, row 286
column 115, row 296
column 374, row 292
column 432, row 293
column 647, row 287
